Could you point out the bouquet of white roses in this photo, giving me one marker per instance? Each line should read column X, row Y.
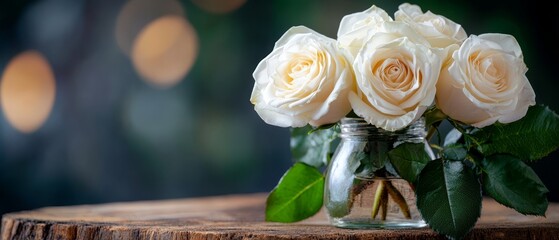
column 391, row 72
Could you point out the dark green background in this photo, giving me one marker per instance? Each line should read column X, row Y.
column 201, row 137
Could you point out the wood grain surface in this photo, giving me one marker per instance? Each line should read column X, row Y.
column 239, row 217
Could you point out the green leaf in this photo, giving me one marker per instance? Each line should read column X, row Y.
column 433, row 115
column 373, row 157
column 530, row 138
column 297, row 196
column 312, row 147
column 455, row 152
column 449, row 197
column 409, row 159
column 514, row 184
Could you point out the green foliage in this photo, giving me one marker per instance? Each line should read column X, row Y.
column 514, row 184
column 449, row 197
column 409, row 159
column 373, row 159
column 433, row 115
column 297, row 196
column 530, row 138
column 312, row 146
column 456, row 152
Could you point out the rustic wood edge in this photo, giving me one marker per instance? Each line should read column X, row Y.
column 13, row 228
column 21, row 226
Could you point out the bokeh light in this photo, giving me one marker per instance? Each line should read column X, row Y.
column 27, row 91
column 219, row 6
column 136, row 14
column 165, row 50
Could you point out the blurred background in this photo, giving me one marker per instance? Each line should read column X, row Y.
column 122, row 100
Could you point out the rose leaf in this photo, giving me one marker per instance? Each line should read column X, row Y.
column 409, row 159
column 433, row 115
column 449, row 197
column 297, row 196
column 312, row 147
column 530, row 138
column 514, row 184
column 455, row 152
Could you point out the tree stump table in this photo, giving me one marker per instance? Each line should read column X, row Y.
column 239, row 217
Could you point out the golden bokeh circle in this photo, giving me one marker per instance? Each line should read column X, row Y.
column 165, row 50
column 27, row 91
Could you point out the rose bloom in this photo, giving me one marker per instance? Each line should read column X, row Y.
column 355, row 28
column 396, row 74
column 440, row 31
column 486, row 82
column 304, row 80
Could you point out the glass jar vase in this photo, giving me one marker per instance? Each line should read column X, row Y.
column 362, row 188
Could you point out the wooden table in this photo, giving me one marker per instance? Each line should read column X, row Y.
column 239, row 217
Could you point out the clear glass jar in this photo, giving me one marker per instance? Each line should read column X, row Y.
column 362, row 188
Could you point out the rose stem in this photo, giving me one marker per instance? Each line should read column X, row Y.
column 384, row 201
column 377, row 201
column 398, row 198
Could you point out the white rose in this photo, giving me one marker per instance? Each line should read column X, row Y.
column 396, row 74
column 440, row 31
column 486, row 82
column 304, row 80
column 355, row 28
